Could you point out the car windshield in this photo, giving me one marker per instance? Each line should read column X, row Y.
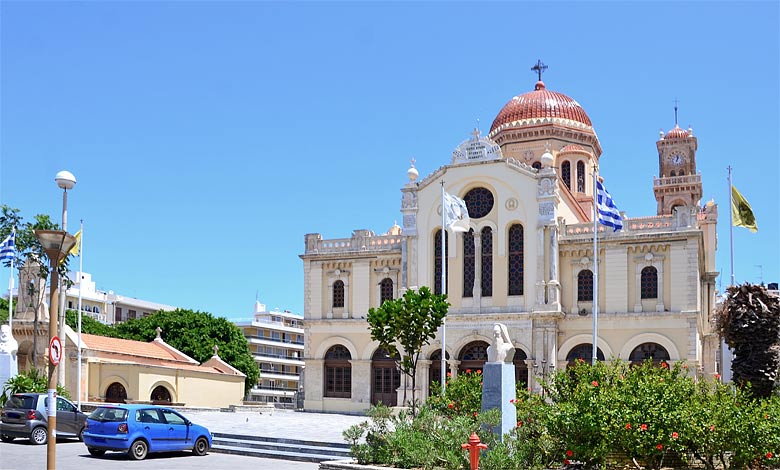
column 21, row 401
column 109, row 414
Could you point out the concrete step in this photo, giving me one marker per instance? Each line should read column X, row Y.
column 279, row 448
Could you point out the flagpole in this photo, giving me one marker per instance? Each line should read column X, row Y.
column 11, row 285
column 81, row 280
column 731, row 226
column 443, row 291
column 595, row 266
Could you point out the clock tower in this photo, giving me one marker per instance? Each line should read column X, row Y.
column 679, row 183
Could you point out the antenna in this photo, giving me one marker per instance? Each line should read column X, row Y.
column 760, row 273
column 675, row 112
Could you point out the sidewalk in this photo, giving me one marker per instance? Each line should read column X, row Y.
column 288, row 424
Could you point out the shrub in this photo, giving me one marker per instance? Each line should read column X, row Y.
column 29, row 381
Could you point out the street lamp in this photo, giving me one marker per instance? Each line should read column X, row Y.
column 66, row 181
column 56, row 244
column 545, row 371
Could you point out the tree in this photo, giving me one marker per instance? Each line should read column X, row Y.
column 89, row 325
column 411, row 322
column 195, row 334
column 749, row 322
column 4, row 310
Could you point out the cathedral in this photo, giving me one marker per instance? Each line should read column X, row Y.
column 527, row 261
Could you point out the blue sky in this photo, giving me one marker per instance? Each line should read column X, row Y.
column 208, row 137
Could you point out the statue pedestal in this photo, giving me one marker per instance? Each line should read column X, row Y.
column 498, row 388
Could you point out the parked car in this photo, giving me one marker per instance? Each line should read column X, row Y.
column 24, row 415
column 140, row 429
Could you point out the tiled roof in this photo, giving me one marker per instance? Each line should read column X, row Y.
column 539, row 104
column 152, row 349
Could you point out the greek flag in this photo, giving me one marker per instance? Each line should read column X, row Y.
column 456, row 214
column 7, row 248
column 608, row 211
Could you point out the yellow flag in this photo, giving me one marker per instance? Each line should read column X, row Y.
column 75, row 250
column 741, row 211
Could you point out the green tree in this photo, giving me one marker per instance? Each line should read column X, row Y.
column 411, row 322
column 4, row 310
column 89, row 325
column 25, row 242
column 195, row 334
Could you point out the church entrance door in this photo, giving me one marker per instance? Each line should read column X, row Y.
column 385, row 379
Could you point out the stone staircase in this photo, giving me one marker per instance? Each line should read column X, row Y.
column 277, row 448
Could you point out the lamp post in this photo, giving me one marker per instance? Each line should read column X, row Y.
column 65, row 180
column 56, row 244
column 545, row 371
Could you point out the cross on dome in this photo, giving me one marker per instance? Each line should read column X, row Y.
column 539, row 68
column 475, row 133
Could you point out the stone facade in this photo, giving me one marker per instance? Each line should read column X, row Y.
column 528, row 266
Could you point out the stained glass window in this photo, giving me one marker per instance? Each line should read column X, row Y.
column 479, row 202
column 585, row 285
column 385, row 290
column 437, row 261
column 566, row 174
column 338, row 294
column 516, row 259
column 649, row 283
column 487, row 262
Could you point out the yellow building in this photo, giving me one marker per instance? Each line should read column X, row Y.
column 527, row 262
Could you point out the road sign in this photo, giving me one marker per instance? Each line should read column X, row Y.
column 55, row 350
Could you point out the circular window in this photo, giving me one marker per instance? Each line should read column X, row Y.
column 479, row 202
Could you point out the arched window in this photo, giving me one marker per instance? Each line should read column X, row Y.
column 648, row 351
column 437, row 261
column 160, row 394
column 672, row 173
column 537, row 165
column 386, row 379
column 585, row 286
column 116, row 393
column 580, row 177
column 468, row 263
column 583, row 352
column 566, row 174
column 338, row 294
column 473, row 357
column 515, row 264
column 521, row 368
column 487, row 262
column 385, row 290
column 338, row 372
column 649, row 282
column 682, row 173
column 434, row 373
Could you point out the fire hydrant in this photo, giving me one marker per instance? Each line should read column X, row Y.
column 474, row 446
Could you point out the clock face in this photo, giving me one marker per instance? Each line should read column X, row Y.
column 676, row 158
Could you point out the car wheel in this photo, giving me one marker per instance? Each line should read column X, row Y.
column 138, row 450
column 81, row 434
column 6, row 438
column 201, row 446
column 95, row 452
column 39, row 435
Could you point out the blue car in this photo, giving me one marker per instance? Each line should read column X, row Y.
column 141, row 429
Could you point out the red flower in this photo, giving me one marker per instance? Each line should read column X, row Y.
column 519, row 423
column 769, row 455
column 569, row 453
column 449, row 374
column 685, row 366
column 628, row 425
column 468, row 371
column 643, row 427
column 717, row 376
column 594, row 383
column 512, row 401
column 451, row 406
column 664, row 365
column 475, row 414
column 479, row 372
column 659, row 446
column 712, row 427
column 566, row 461
column 675, row 435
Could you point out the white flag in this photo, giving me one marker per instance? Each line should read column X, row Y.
column 456, row 215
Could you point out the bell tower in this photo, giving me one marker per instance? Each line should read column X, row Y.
column 679, row 184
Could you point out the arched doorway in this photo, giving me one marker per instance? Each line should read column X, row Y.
column 521, row 368
column 583, row 352
column 161, row 396
column 648, row 351
column 385, row 379
column 434, row 372
column 116, row 393
column 473, row 357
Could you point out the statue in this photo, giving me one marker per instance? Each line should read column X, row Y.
column 502, row 349
column 8, row 344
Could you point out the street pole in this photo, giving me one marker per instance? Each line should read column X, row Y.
column 65, row 181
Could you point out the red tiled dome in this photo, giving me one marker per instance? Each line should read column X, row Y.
column 540, row 103
column 677, row 133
